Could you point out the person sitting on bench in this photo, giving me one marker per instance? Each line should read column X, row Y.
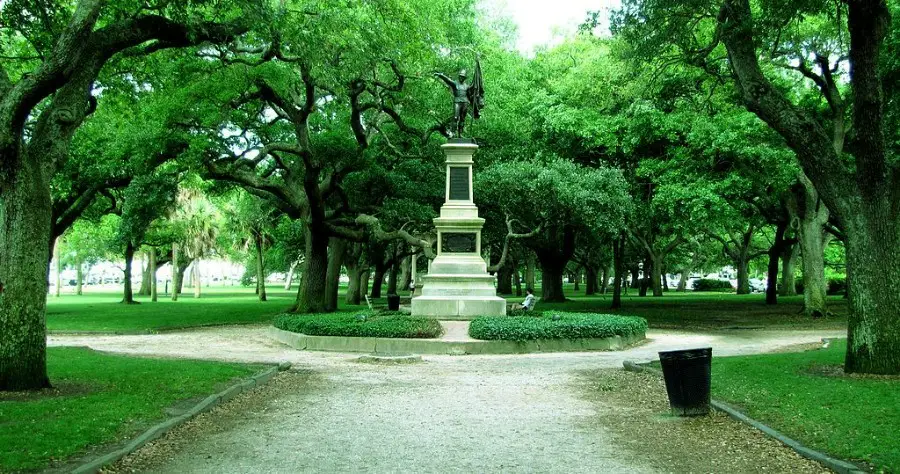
column 528, row 304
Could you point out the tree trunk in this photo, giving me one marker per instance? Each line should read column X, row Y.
column 590, row 274
column 873, row 270
column 392, row 278
column 288, row 282
column 353, row 296
column 743, row 275
column 312, row 296
column 788, row 285
column 79, row 277
column 128, row 295
column 517, row 279
column 405, row 274
column 665, row 282
column 261, row 268
column 377, row 281
column 145, row 279
column 604, row 280
column 529, row 271
column 24, row 266
column 197, row 280
column 812, row 252
column 153, row 292
column 619, row 272
column 176, row 275
column 635, row 277
column 504, row 280
column 552, row 270
column 337, row 249
column 774, row 255
column 682, row 280
column 364, row 278
column 656, row 276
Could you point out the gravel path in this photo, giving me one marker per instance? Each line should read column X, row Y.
column 515, row 413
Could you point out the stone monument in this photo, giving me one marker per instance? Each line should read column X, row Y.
column 458, row 285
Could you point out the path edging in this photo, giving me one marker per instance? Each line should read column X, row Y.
column 162, row 428
column 838, row 465
column 385, row 345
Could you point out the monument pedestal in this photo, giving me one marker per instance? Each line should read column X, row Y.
column 458, row 285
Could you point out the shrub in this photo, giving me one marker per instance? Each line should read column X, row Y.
column 711, row 284
column 360, row 324
column 543, row 326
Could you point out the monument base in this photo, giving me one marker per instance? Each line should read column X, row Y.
column 458, row 307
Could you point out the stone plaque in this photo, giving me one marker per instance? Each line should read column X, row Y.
column 459, row 183
column 458, row 242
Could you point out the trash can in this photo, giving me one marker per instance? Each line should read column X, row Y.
column 393, row 302
column 687, row 375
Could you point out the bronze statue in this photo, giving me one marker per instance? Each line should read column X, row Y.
column 465, row 95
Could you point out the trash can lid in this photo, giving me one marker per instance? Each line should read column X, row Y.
column 684, row 354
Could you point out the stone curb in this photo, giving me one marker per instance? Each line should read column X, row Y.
column 384, row 345
column 836, row 465
column 162, row 428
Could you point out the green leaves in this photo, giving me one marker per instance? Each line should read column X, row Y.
column 566, row 326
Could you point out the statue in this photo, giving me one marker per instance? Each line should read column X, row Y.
column 465, row 95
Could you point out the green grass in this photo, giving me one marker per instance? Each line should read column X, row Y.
column 101, row 312
column 704, row 310
column 542, row 326
column 807, row 397
column 352, row 325
column 99, row 399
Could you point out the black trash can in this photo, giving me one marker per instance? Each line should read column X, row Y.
column 687, row 375
column 393, row 302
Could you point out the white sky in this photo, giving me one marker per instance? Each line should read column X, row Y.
column 545, row 22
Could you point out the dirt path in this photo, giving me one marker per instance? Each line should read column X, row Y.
column 517, row 413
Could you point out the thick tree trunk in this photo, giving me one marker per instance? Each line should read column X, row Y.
column 665, row 282
column 24, row 267
column 153, row 282
column 337, row 249
column 551, row 280
column 364, row 277
column 788, row 285
column 812, row 253
column 517, row 280
column 743, row 276
column 261, row 268
column 128, row 295
column 656, row 275
column 392, row 278
column 405, row 273
column 312, row 296
column 529, row 271
column 377, row 281
column 619, row 272
column 873, row 270
column 145, row 279
column 683, row 279
column 590, row 275
column 353, row 296
column 176, row 274
column 774, row 255
column 79, row 277
column 504, row 280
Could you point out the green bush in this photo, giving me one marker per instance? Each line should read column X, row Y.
column 711, row 284
column 360, row 324
column 543, row 326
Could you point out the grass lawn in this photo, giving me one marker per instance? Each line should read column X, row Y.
column 100, row 311
column 806, row 396
column 99, row 399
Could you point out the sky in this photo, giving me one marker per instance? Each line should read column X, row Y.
column 540, row 21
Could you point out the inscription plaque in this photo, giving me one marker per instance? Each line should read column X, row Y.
column 458, row 242
column 459, row 183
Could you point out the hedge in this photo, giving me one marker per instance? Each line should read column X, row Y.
column 711, row 284
column 566, row 326
column 360, row 324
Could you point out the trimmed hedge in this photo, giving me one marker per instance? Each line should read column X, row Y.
column 711, row 284
column 543, row 326
column 374, row 324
